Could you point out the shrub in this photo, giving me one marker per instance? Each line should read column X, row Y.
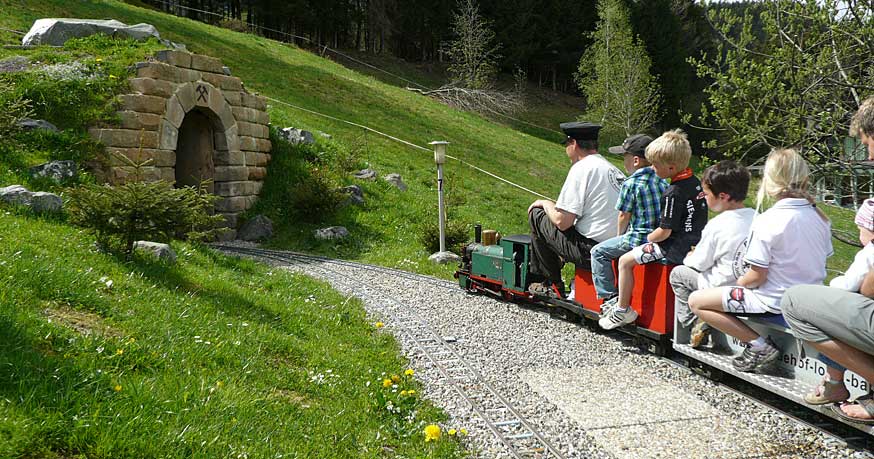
column 13, row 107
column 303, row 181
column 457, row 234
column 154, row 211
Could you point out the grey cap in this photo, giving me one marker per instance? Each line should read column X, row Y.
column 635, row 145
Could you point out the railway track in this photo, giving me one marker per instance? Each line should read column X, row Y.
column 518, row 435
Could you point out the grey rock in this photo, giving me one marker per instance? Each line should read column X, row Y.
column 58, row 171
column 28, row 124
column 256, row 229
column 355, row 195
column 365, row 174
column 226, row 70
column 444, row 257
column 162, row 251
column 46, row 203
column 326, row 135
column 56, row 31
column 395, row 179
column 16, row 194
column 14, row 64
column 330, row 233
column 297, row 136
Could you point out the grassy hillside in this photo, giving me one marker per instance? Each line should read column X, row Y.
column 386, row 231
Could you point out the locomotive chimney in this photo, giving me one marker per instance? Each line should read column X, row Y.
column 478, row 233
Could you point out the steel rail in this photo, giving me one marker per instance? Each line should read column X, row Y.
column 281, row 254
column 421, row 334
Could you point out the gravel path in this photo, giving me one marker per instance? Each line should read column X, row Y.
column 591, row 395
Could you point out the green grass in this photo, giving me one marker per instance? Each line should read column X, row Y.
column 211, row 357
column 386, row 230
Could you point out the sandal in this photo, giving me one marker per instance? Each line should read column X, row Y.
column 827, row 392
column 866, row 401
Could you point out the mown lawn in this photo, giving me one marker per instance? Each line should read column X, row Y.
column 211, row 357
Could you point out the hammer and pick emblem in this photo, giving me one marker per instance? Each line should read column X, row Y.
column 202, row 92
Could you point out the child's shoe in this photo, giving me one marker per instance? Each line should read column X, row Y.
column 754, row 358
column 826, row 392
column 700, row 334
column 617, row 318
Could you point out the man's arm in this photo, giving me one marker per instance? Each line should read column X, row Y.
column 622, row 223
column 753, row 278
column 867, row 288
column 560, row 218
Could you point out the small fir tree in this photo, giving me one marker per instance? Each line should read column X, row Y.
column 614, row 74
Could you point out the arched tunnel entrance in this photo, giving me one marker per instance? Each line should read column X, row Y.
column 195, row 150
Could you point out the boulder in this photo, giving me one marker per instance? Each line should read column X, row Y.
column 57, row 171
column 444, row 257
column 356, row 195
column 297, row 136
column 16, row 194
column 46, row 203
column 162, row 251
column 28, row 124
column 55, row 31
column 395, row 179
column 365, row 174
column 333, row 232
column 256, row 229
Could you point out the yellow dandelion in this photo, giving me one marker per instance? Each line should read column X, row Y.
column 379, row 325
column 395, row 378
column 403, row 393
column 117, row 388
column 432, row 432
column 451, row 432
column 98, row 60
column 119, row 352
column 463, row 431
column 386, row 383
column 219, row 384
column 411, row 392
column 409, row 372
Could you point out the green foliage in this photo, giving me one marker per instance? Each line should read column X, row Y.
column 788, row 73
column 137, row 210
column 473, row 52
column 303, row 181
column 457, row 234
column 13, row 108
column 614, row 75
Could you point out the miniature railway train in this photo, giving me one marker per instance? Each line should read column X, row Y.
column 501, row 269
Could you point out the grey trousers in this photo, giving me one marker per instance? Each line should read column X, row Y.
column 684, row 280
column 818, row 313
column 552, row 248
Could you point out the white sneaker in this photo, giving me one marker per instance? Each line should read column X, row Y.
column 609, row 305
column 617, row 318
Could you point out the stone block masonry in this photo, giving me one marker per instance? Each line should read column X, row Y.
column 153, row 124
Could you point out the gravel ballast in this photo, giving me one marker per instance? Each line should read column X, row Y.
column 591, row 395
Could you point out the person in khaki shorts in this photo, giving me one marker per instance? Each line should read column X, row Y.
column 836, row 320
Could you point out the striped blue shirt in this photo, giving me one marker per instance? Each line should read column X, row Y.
column 640, row 196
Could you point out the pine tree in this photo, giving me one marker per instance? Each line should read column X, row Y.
column 614, row 75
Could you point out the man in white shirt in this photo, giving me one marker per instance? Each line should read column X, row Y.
column 584, row 214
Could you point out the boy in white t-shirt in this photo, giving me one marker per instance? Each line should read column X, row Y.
column 717, row 259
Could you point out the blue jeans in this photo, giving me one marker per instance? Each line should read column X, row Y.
column 603, row 255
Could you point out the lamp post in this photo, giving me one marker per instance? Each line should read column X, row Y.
column 440, row 158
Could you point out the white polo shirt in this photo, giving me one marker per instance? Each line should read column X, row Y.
column 590, row 192
column 792, row 242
